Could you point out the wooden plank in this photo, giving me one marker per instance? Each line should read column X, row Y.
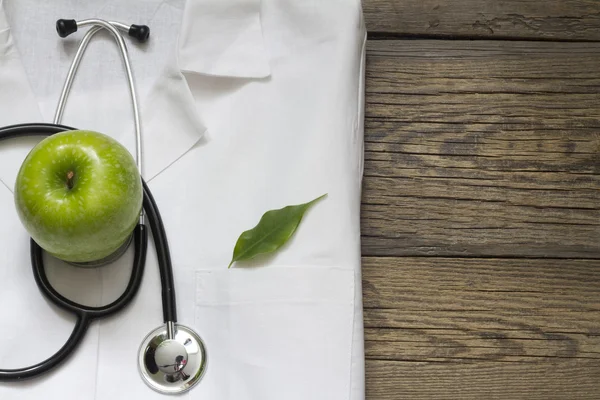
column 577, row 379
column 482, row 149
column 447, row 328
column 520, row 19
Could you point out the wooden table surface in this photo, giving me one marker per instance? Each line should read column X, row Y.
column 481, row 213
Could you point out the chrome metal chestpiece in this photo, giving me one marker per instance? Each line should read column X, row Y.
column 175, row 365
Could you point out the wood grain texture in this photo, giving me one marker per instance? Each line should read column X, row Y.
column 572, row 380
column 514, row 19
column 447, row 328
column 482, row 149
column 488, row 152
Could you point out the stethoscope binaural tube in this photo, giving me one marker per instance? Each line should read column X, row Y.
column 66, row 27
column 140, row 32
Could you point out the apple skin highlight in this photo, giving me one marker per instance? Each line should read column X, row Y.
column 79, row 195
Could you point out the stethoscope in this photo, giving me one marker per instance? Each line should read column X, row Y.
column 171, row 358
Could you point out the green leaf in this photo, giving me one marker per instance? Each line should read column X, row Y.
column 273, row 230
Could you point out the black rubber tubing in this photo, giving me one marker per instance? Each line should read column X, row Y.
column 85, row 314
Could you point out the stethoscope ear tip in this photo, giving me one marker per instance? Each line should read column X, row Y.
column 64, row 27
column 140, row 32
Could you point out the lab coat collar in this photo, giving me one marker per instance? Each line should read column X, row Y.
column 216, row 38
column 223, row 38
column 170, row 124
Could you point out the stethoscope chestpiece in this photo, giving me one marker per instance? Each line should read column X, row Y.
column 172, row 366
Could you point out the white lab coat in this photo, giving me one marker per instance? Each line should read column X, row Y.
column 246, row 106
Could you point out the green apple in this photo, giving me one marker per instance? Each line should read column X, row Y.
column 79, row 195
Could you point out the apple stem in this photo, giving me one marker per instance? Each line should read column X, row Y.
column 70, row 176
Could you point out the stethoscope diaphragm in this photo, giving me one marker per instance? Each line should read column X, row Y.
column 172, row 366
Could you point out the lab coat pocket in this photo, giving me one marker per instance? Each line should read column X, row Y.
column 276, row 332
